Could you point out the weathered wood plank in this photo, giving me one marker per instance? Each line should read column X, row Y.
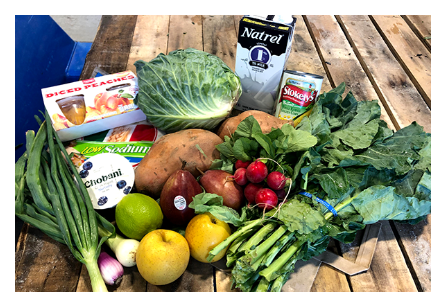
column 397, row 92
column 149, row 39
column 20, row 246
column 46, row 265
column 421, row 25
column 340, row 60
column 111, row 47
column 185, row 31
column 412, row 54
column 198, row 277
column 237, row 19
column 416, row 242
column 220, row 38
column 388, row 271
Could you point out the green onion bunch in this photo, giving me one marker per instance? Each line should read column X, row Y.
column 50, row 196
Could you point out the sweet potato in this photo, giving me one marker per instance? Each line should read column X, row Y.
column 265, row 120
column 168, row 154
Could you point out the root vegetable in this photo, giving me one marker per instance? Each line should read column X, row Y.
column 276, row 180
column 240, row 176
column 124, row 249
column 250, row 192
column 256, row 172
column 241, row 164
column 266, row 199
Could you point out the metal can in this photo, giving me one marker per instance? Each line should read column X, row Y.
column 297, row 94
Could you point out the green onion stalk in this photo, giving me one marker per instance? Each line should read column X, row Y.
column 58, row 206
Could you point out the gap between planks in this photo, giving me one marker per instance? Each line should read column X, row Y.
column 406, row 257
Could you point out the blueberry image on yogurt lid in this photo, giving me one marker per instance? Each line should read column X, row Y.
column 83, row 173
column 127, row 190
column 102, row 200
column 87, row 165
column 121, row 184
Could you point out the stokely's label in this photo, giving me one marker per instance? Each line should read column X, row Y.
column 180, row 202
column 297, row 95
column 298, row 92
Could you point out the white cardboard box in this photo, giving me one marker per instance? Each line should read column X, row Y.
column 89, row 106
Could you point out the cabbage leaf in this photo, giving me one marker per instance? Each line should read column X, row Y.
column 186, row 89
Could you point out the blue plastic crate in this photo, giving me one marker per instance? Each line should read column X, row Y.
column 45, row 56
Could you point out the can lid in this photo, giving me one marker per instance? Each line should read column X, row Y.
column 108, row 177
column 301, row 73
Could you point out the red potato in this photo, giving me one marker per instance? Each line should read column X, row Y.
column 221, row 183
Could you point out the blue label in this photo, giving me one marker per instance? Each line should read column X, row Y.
column 260, row 54
column 321, row 201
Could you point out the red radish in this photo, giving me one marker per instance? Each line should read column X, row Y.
column 241, row 164
column 240, row 176
column 276, row 180
column 250, row 192
column 280, row 194
column 256, row 172
column 266, row 198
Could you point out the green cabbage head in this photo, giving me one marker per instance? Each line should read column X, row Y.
column 186, row 89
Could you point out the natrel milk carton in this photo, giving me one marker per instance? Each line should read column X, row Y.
column 263, row 47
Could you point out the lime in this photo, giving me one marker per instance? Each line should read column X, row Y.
column 138, row 214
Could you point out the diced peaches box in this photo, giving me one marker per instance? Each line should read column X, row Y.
column 89, row 106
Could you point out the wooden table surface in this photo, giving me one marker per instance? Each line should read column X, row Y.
column 387, row 58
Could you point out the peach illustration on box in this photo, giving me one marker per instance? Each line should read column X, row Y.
column 109, row 103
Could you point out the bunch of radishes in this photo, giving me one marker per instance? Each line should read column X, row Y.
column 261, row 187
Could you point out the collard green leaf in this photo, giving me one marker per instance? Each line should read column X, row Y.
column 359, row 136
column 296, row 140
column 382, row 203
column 300, row 217
column 398, row 151
column 335, row 183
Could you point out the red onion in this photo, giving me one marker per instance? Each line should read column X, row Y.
column 110, row 268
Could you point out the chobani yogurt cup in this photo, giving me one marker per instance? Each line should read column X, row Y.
column 108, row 177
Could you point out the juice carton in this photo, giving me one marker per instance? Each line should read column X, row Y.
column 89, row 106
column 263, row 47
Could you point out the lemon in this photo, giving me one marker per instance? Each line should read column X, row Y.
column 138, row 214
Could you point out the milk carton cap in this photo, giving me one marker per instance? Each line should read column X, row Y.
column 285, row 19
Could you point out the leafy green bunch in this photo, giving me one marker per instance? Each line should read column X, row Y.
column 342, row 154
